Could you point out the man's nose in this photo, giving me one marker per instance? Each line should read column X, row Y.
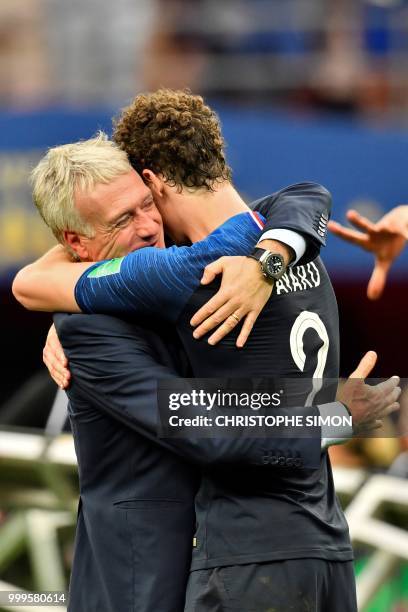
column 147, row 228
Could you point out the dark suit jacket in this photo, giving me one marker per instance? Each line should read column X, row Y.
column 136, row 511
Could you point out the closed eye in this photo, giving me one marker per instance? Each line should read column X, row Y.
column 148, row 203
column 123, row 221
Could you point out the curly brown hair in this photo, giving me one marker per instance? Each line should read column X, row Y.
column 173, row 133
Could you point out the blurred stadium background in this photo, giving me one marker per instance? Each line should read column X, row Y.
column 306, row 90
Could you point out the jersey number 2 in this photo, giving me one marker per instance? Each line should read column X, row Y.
column 309, row 320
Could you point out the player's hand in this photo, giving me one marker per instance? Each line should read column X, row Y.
column 385, row 239
column 55, row 360
column 243, row 293
column 369, row 405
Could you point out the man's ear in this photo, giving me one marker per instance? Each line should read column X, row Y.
column 154, row 182
column 75, row 243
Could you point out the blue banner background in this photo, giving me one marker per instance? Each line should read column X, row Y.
column 360, row 164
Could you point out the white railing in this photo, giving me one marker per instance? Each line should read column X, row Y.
column 28, row 452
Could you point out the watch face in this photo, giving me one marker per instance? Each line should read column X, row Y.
column 274, row 265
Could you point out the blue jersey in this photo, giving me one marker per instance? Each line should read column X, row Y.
column 161, row 281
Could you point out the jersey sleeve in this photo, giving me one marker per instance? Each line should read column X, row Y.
column 303, row 208
column 160, row 281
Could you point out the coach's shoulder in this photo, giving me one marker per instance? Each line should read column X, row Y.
column 314, row 188
column 306, row 189
column 89, row 324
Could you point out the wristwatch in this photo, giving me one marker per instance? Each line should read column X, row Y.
column 272, row 264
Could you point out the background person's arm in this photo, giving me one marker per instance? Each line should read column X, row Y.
column 385, row 240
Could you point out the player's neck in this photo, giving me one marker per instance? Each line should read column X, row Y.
column 203, row 211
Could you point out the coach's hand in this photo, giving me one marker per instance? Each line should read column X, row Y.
column 243, row 293
column 55, row 360
column 369, row 405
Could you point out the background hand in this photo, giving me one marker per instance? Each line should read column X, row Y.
column 385, row 239
column 369, row 405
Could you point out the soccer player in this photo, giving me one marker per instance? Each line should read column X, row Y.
column 385, row 239
column 297, row 502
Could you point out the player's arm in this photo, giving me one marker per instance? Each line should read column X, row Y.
column 48, row 283
column 146, row 281
column 34, row 285
column 160, row 281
